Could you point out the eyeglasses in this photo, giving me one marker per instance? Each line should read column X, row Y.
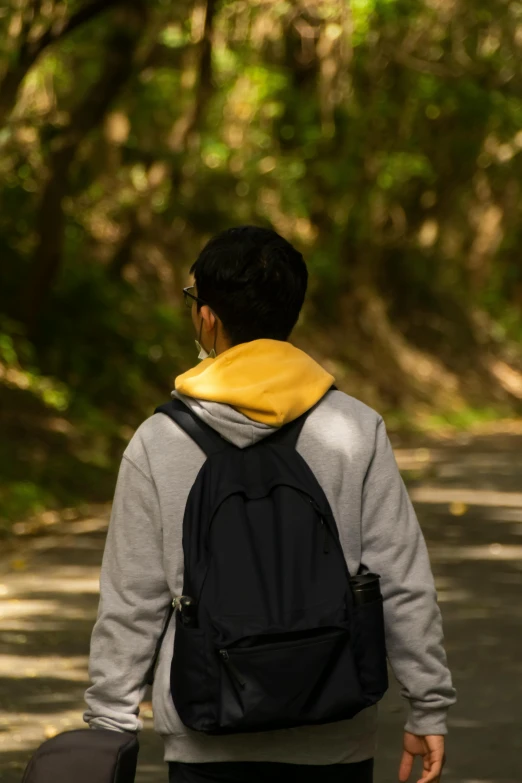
column 189, row 296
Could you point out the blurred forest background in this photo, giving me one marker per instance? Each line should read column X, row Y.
column 382, row 137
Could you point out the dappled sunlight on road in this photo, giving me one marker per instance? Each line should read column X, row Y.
column 48, row 602
column 469, row 504
column 486, row 552
column 470, row 509
column 471, row 497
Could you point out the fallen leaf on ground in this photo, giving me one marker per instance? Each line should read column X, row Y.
column 19, row 564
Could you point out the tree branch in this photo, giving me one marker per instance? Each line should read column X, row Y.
column 28, row 17
column 425, row 66
column 186, row 125
column 58, row 31
column 30, row 51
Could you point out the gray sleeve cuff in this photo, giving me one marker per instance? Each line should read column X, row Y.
column 422, row 721
column 132, row 724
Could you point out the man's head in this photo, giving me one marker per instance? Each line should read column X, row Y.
column 254, row 281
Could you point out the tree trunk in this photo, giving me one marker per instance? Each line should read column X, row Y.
column 9, row 90
column 47, row 259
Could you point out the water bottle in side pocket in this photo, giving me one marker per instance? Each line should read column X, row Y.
column 365, row 588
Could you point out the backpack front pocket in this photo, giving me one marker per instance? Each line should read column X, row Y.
column 288, row 683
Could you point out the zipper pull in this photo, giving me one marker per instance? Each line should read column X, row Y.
column 232, row 669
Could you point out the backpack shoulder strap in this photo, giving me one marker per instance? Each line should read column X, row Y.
column 288, row 435
column 207, row 439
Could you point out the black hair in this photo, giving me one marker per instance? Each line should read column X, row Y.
column 254, row 280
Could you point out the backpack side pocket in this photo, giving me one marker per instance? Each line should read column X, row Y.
column 369, row 649
column 191, row 678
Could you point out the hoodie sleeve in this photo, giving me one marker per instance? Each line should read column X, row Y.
column 134, row 600
column 394, row 547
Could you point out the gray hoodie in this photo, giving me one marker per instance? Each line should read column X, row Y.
column 346, row 445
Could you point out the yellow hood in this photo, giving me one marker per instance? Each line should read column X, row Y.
column 269, row 381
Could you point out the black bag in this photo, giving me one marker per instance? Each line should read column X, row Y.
column 276, row 640
column 85, row 756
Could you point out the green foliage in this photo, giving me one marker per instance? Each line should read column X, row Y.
column 51, row 392
column 461, row 419
column 21, row 499
column 382, row 137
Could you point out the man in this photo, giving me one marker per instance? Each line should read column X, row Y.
column 249, row 288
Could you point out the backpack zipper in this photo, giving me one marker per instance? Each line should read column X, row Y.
column 326, row 545
column 232, row 669
column 308, row 641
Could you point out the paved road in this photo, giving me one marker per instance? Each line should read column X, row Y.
column 468, row 496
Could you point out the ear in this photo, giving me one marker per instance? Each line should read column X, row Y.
column 208, row 317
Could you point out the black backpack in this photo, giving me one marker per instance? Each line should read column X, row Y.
column 268, row 635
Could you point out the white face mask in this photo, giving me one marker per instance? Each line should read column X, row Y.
column 202, row 353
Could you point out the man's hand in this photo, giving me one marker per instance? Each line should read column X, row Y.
column 431, row 748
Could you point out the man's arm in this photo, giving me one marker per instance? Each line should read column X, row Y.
column 394, row 547
column 134, row 600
